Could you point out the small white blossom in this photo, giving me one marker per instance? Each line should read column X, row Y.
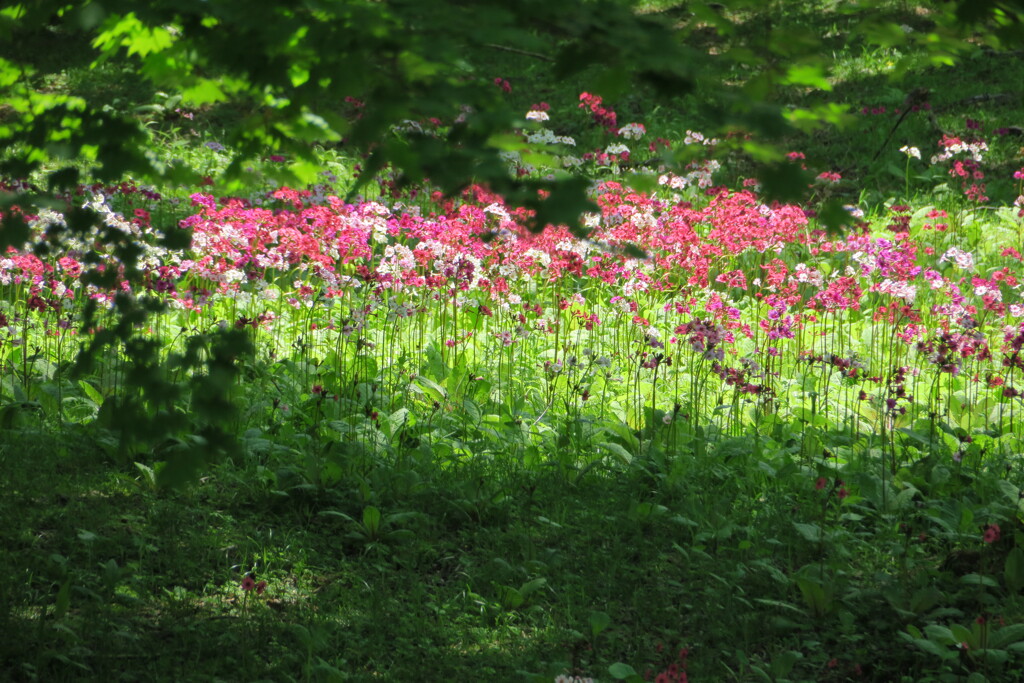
column 632, row 131
column 961, row 258
column 911, row 151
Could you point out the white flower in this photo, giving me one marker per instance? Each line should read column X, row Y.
column 542, row 137
column 536, row 115
column 498, row 210
column 898, row 288
column 911, row 151
column 632, row 131
column 616, row 149
column 961, row 258
column 673, row 181
column 407, row 126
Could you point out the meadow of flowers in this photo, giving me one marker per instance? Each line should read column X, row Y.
column 687, row 310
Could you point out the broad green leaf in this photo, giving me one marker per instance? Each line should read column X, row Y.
column 203, row 91
column 811, row 532
column 63, row 601
column 1007, row 636
column 783, row 663
column 1013, row 571
column 95, row 396
column 963, row 635
column 809, row 74
column 509, row 597
column 371, row 520
column 940, row 634
column 624, row 456
column 599, row 621
column 979, row 580
column 620, row 671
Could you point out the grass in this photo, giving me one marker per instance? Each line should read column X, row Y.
column 498, row 579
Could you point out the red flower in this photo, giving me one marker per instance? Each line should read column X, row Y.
column 820, row 483
column 248, row 583
column 260, row 587
column 992, row 533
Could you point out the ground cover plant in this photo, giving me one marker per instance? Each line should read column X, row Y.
column 715, row 436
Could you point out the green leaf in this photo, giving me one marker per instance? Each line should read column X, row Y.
column 783, row 663
column 784, row 182
column 430, row 388
column 371, row 520
column 924, row 599
column 940, row 634
column 1007, row 636
column 203, row 91
column 1013, row 570
column 620, row 671
column 147, row 473
column 63, row 601
column 934, row 648
column 509, row 597
column 979, row 580
column 181, row 469
column 599, row 621
column 811, row 532
column 815, row 596
column 642, row 182
column 624, row 456
column 530, row 587
column 94, row 396
column 809, row 74
column 963, row 635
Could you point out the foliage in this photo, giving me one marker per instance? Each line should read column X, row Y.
column 376, row 425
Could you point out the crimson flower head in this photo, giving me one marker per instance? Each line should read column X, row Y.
column 820, row 483
column 992, row 533
column 248, row 583
column 260, row 587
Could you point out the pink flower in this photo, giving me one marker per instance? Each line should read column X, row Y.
column 992, row 533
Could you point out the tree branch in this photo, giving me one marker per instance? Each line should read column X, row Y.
column 516, row 50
